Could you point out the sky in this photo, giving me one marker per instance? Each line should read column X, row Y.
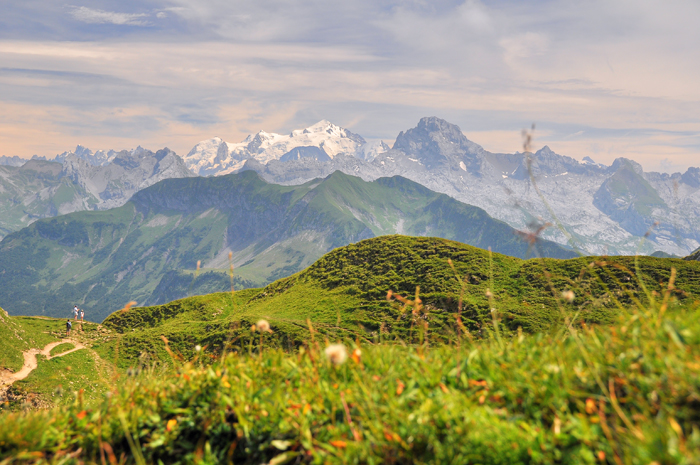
column 600, row 78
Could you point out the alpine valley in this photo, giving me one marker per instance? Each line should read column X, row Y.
column 142, row 250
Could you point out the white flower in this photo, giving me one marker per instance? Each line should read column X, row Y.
column 263, row 326
column 197, row 348
column 336, row 353
column 569, row 296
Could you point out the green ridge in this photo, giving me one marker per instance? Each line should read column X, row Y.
column 145, row 250
column 344, row 293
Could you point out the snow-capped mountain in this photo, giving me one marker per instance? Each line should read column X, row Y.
column 597, row 209
column 215, row 156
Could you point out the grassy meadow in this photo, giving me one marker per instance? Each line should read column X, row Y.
column 471, row 358
column 621, row 393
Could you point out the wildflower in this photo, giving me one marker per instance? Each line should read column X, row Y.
column 336, row 353
column 557, row 426
column 488, row 293
column 569, row 296
column 197, row 348
column 590, row 406
column 263, row 326
column 356, row 355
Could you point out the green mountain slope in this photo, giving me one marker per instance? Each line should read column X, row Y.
column 53, row 381
column 100, row 260
column 344, row 294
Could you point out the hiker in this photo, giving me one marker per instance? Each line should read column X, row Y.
column 75, row 312
column 69, row 325
column 82, row 315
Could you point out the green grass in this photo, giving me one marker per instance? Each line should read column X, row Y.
column 22, row 333
column 59, row 349
column 57, row 381
column 627, row 392
column 344, row 295
column 54, row 381
column 611, row 374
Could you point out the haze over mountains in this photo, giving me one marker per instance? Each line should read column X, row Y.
column 147, row 250
column 80, row 181
column 599, row 209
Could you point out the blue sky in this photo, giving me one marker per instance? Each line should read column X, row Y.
column 599, row 78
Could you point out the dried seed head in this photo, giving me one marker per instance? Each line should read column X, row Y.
column 263, row 326
column 336, row 353
column 568, row 295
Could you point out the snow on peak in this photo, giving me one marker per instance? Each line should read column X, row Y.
column 207, row 157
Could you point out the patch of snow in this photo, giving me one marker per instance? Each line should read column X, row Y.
column 214, row 156
column 463, row 166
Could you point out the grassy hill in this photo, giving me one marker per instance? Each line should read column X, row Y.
column 148, row 250
column 54, row 381
column 606, row 375
column 623, row 393
column 344, row 295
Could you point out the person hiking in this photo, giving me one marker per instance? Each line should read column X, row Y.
column 75, row 312
column 82, row 315
column 69, row 325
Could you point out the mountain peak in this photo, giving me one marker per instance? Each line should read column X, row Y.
column 434, row 141
column 321, row 125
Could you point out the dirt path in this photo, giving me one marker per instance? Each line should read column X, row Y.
column 30, row 361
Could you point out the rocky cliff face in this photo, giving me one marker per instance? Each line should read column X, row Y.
column 694, row 256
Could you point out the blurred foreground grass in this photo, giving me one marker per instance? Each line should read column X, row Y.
column 625, row 393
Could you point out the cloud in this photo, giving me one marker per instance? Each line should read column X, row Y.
column 92, row 16
column 593, row 71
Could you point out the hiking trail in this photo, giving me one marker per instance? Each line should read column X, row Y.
column 30, row 361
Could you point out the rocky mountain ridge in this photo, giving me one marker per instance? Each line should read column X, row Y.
column 597, row 209
column 40, row 189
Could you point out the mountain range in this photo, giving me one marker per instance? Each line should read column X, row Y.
column 40, row 188
column 591, row 207
column 150, row 249
column 598, row 209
